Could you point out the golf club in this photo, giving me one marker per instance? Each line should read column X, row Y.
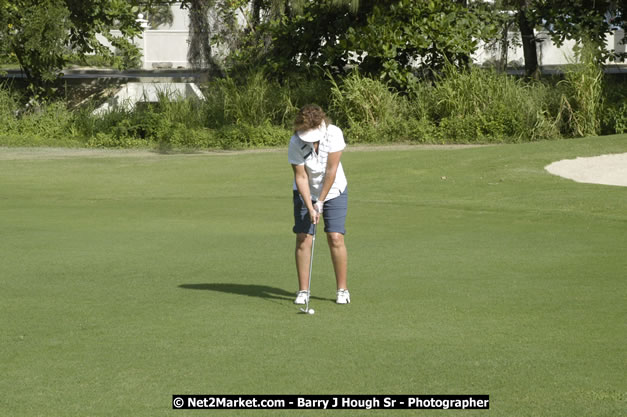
column 307, row 310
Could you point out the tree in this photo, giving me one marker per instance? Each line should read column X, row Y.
column 199, row 52
column 391, row 39
column 157, row 14
column 5, row 27
column 226, row 30
column 42, row 33
column 528, row 38
column 585, row 21
column 402, row 37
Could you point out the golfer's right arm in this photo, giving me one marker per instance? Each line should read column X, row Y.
column 302, row 185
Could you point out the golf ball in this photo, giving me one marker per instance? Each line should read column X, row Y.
column 312, row 311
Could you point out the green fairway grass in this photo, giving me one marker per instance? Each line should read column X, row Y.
column 126, row 278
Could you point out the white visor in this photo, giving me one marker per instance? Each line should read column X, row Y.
column 312, row 135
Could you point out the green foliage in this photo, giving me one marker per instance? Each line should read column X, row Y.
column 583, row 96
column 174, row 124
column 369, row 109
column 470, row 106
column 391, row 39
column 37, row 39
column 8, row 109
column 399, row 39
column 615, row 119
column 164, row 122
column 103, row 140
column 41, row 35
column 614, row 112
column 255, row 101
column 46, row 125
column 199, row 52
column 481, row 105
column 588, row 21
column 247, row 136
column 405, row 36
column 5, row 58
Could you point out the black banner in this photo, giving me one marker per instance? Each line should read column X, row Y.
column 331, row 402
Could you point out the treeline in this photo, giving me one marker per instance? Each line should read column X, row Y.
column 399, row 41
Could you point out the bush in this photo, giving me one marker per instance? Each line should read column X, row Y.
column 169, row 122
column 8, row 110
column 473, row 106
column 34, row 125
column 370, row 110
column 245, row 136
column 614, row 111
column 583, row 94
column 483, row 105
column 103, row 140
column 255, row 102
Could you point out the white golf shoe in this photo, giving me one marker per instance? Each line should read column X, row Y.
column 301, row 297
column 343, row 297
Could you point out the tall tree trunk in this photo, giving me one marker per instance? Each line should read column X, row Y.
column 504, row 47
column 528, row 38
column 256, row 19
column 199, row 53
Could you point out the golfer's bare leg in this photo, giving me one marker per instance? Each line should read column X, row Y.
column 339, row 258
column 303, row 256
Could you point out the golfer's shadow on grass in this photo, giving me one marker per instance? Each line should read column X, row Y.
column 261, row 291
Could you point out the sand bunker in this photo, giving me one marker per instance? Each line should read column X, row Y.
column 604, row 169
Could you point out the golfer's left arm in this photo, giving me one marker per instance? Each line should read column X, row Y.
column 333, row 162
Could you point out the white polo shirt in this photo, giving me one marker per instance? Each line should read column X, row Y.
column 303, row 153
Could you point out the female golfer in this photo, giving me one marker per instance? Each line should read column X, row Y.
column 320, row 188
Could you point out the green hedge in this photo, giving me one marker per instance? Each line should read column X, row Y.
column 474, row 106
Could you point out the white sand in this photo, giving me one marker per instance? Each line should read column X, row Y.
column 604, row 169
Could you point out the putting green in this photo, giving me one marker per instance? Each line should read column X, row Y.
column 127, row 279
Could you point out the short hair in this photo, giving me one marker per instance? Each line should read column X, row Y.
column 310, row 116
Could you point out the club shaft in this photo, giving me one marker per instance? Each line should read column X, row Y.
column 313, row 244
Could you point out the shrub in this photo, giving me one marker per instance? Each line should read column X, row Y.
column 614, row 109
column 583, row 94
column 103, row 140
column 614, row 119
column 473, row 106
column 168, row 122
column 255, row 102
column 483, row 105
column 8, row 110
column 369, row 109
column 246, row 136
column 306, row 88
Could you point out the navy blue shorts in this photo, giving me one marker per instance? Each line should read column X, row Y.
column 333, row 213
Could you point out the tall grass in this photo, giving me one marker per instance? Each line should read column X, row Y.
column 472, row 106
column 582, row 99
column 49, row 124
column 469, row 106
column 482, row 105
column 256, row 102
column 8, row 110
column 370, row 110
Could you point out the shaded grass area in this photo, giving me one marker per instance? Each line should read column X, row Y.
column 126, row 280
